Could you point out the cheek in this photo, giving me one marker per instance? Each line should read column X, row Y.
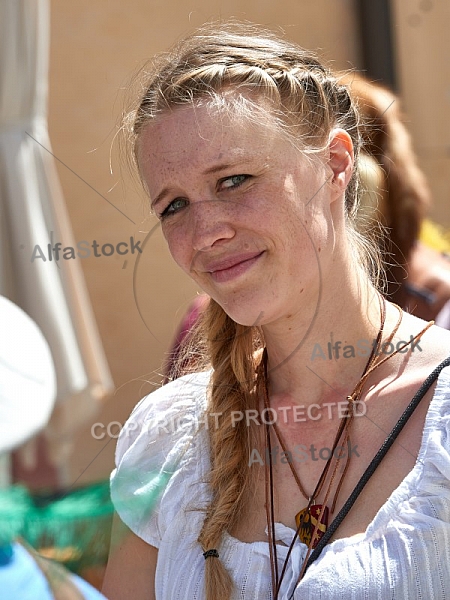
column 179, row 248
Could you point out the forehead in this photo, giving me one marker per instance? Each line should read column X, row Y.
column 199, row 135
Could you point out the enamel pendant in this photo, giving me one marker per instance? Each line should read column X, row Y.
column 307, row 521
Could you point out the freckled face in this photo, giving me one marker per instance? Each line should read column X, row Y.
column 243, row 212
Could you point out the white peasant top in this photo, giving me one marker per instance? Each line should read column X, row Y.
column 159, row 488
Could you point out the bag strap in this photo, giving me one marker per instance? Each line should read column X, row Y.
column 376, row 460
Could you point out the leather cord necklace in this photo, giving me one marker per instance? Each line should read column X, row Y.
column 312, row 521
column 320, row 513
column 307, row 519
column 372, row 468
column 377, row 459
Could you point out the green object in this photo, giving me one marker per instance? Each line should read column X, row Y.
column 72, row 528
column 15, row 507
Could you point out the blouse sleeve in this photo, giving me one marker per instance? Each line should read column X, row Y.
column 156, row 443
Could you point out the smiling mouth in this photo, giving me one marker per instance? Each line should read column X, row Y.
column 234, row 267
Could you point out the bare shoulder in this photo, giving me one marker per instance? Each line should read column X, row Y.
column 130, row 572
column 420, row 348
column 428, row 350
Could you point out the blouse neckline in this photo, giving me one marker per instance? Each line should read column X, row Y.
column 373, row 528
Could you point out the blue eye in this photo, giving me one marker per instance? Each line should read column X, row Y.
column 234, row 181
column 173, row 207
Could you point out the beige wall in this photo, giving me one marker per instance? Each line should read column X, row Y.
column 95, row 47
column 423, row 48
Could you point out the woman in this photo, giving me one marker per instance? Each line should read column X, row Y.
column 230, row 480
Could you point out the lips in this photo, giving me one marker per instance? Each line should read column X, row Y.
column 232, row 266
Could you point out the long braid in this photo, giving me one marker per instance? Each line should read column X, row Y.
column 232, row 354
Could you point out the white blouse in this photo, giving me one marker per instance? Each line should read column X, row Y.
column 160, row 487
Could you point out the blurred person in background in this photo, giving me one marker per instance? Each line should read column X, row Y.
column 397, row 195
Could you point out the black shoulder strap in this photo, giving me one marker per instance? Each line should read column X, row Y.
column 377, row 459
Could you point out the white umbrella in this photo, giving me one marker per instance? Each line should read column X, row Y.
column 32, row 212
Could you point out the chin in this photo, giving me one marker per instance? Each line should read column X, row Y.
column 248, row 318
column 248, row 309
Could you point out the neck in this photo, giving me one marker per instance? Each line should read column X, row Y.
column 311, row 362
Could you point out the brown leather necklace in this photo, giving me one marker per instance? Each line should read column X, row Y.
column 312, row 521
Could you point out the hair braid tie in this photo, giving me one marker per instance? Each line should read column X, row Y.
column 211, row 554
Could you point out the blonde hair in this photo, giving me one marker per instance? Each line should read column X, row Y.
column 307, row 101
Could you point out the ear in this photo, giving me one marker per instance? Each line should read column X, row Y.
column 341, row 160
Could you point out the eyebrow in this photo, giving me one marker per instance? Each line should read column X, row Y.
column 211, row 170
column 221, row 167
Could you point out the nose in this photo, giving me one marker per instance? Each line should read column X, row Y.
column 211, row 224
